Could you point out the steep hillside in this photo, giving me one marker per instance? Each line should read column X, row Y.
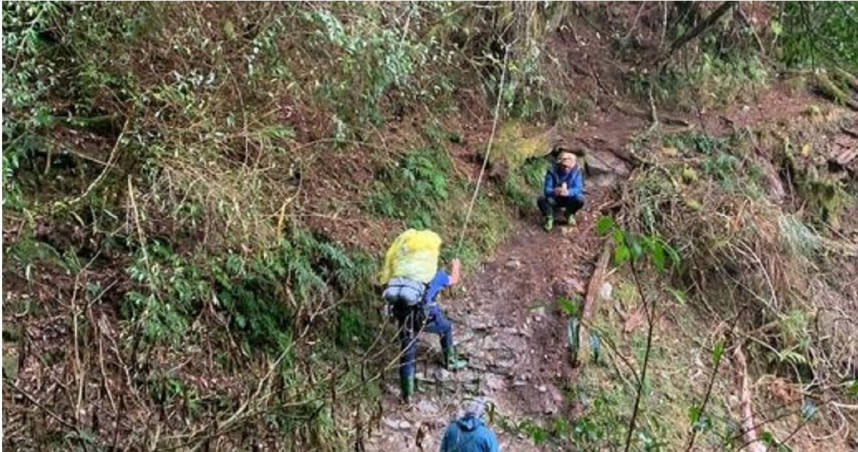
column 197, row 196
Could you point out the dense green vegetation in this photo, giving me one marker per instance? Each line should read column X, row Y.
column 196, row 196
column 192, row 147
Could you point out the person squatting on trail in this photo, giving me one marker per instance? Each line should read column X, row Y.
column 469, row 433
column 564, row 189
column 413, row 303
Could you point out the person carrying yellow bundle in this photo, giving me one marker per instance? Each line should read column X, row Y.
column 413, row 282
column 413, row 255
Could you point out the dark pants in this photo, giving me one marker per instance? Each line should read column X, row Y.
column 410, row 324
column 570, row 203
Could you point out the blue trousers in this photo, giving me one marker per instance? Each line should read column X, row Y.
column 410, row 325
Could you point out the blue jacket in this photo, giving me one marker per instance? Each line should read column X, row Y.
column 555, row 177
column 469, row 434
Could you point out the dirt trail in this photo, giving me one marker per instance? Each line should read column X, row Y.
column 507, row 324
column 505, row 317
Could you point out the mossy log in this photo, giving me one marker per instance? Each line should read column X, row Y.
column 850, row 79
column 830, row 90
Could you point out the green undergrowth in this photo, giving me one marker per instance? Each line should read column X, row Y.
column 712, row 82
column 827, row 195
column 260, row 296
column 524, row 182
column 423, row 191
column 680, row 365
column 817, row 34
column 169, row 172
column 158, row 158
column 751, row 260
column 722, row 66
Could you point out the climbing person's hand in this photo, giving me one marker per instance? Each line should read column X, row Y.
column 455, row 270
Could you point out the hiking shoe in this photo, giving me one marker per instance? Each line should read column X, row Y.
column 452, row 361
column 570, row 220
column 548, row 224
column 407, row 386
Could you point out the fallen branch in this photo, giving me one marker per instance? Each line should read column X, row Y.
column 753, row 444
column 107, row 167
column 753, row 29
column 775, row 186
column 632, row 111
column 850, row 132
column 652, row 112
column 589, row 301
column 32, row 399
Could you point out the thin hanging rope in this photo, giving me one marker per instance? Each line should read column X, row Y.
column 488, row 151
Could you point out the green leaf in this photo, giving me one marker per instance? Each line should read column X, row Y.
column 657, row 255
column 604, row 225
column 621, row 254
column 569, row 307
column 278, row 131
column 777, row 28
column 636, row 248
column 678, row 295
column 699, row 422
column 852, row 390
column 794, row 357
column 618, row 237
column 717, row 353
column 673, row 255
column 694, row 413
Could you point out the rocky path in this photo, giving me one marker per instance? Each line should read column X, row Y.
column 508, row 326
column 506, row 319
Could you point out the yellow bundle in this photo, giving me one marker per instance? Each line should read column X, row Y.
column 413, row 255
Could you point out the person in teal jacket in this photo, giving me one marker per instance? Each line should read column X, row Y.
column 469, row 433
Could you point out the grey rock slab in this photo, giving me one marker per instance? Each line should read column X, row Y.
column 396, row 424
column 538, row 311
column 426, row 407
column 441, row 374
column 494, row 382
column 605, row 162
column 605, row 291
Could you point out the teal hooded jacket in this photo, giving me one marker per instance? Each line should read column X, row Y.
column 469, row 434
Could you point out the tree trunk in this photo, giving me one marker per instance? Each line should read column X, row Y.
column 701, row 27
